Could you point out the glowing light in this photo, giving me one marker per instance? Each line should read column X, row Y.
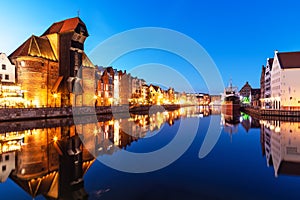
column 22, row 63
column 55, row 138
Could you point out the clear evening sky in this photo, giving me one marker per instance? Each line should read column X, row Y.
column 238, row 35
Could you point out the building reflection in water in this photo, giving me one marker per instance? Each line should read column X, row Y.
column 231, row 124
column 281, row 146
column 52, row 161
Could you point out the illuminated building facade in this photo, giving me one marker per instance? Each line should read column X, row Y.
column 105, row 86
column 49, row 66
column 285, row 85
column 10, row 92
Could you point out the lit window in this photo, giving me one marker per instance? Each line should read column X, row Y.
column 22, row 63
column 3, row 67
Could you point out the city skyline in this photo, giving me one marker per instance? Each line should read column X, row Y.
column 239, row 37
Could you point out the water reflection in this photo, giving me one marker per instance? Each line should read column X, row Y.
column 231, row 123
column 280, row 140
column 47, row 157
column 281, row 146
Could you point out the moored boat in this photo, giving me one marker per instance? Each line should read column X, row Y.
column 231, row 103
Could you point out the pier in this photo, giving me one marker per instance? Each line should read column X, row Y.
column 286, row 115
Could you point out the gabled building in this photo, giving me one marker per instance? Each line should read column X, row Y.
column 265, row 96
column 285, row 82
column 268, row 72
column 117, row 79
column 245, row 93
column 53, row 68
column 155, row 95
column 11, row 93
column 105, row 86
column 7, row 70
column 255, row 97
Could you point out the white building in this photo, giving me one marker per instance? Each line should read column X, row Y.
column 283, row 147
column 285, row 81
column 117, row 78
column 7, row 70
column 7, row 164
column 266, row 101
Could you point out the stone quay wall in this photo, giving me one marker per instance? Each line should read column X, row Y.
column 15, row 114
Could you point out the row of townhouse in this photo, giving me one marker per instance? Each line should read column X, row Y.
column 52, row 70
column 280, row 83
column 115, row 87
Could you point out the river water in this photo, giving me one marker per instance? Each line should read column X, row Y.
column 245, row 158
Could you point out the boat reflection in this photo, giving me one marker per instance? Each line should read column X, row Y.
column 281, row 146
column 231, row 123
column 53, row 160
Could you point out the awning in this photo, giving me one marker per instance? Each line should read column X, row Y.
column 56, row 85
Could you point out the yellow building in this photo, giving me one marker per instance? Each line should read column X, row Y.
column 53, row 69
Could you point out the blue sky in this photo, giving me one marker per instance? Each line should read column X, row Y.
column 238, row 35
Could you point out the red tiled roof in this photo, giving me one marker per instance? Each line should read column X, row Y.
column 37, row 47
column 64, row 26
column 289, row 60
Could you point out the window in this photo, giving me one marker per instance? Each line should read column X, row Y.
column 22, row 63
column 6, row 157
column 0, row 76
column 6, row 77
column 4, row 168
column 3, row 66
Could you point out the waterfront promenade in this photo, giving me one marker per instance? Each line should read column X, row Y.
column 288, row 115
column 13, row 114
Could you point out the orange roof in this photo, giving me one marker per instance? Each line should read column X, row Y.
column 289, row 60
column 36, row 47
column 65, row 26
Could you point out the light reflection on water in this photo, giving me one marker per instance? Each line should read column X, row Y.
column 253, row 159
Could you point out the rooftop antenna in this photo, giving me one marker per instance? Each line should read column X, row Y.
column 78, row 12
